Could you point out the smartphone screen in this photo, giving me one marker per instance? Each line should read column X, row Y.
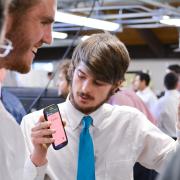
column 59, row 136
column 52, row 113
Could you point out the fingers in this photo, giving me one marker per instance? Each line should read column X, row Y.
column 42, row 140
column 41, row 132
column 41, row 125
column 41, row 119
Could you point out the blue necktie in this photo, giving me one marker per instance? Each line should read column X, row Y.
column 86, row 169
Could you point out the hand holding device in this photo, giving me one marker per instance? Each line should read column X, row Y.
column 52, row 114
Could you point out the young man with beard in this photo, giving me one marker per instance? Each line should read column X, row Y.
column 28, row 26
column 104, row 141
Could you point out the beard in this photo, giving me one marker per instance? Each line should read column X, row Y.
column 90, row 109
column 15, row 63
column 17, row 59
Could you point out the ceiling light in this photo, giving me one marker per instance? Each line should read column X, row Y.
column 85, row 21
column 59, row 35
column 170, row 21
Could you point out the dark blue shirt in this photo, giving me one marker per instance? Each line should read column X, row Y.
column 13, row 105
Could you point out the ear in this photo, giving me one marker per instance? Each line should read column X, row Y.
column 116, row 86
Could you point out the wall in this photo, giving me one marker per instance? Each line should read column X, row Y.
column 156, row 68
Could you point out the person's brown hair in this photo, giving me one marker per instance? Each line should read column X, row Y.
column 64, row 68
column 105, row 56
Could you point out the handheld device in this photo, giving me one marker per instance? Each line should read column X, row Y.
column 52, row 113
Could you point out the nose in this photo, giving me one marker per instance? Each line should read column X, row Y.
column 86, row 86
column 47, row 37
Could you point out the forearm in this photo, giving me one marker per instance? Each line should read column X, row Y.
column 38, row 159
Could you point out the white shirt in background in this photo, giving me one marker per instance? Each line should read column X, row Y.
column 166, row 112
column 15, row 164
column 148, row 97
column 121, row 135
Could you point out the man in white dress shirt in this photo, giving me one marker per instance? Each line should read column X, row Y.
column 142, row 81
column 171, row 170
column 166, row 109
column 176, row 69
column 121, row 135
column 28, row 25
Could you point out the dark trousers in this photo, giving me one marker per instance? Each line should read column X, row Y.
column 142, row 173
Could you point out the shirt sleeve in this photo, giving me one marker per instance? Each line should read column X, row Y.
column 155, row 147
column 31, row 172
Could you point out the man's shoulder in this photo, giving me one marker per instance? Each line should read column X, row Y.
column 124, row 115
column 118, row 109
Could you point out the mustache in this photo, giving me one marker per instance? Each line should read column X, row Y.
column 85, row 95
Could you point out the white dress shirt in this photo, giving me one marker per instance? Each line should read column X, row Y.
column 166, row 112
column 148, row 97
column 121, row 135
column 15, row 164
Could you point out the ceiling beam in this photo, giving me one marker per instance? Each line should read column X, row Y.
column 136, row 52
column 152, row 41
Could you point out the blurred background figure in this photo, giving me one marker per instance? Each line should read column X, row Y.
column 134, row 83
column 176, row 69
column 10, row 101
column 63, row 82
column 142, row 81
column 129, row 98
column 171, row 170
column 166, row 108
column 50, row 75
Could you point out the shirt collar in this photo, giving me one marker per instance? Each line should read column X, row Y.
column 75, row 116
column 172, row 92
column 146, row 90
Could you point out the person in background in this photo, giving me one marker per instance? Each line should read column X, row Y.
column 176, row 69
column 63, row 82
column 166, row 108
column 12, row 104
column 134, row 81
column 28, row 25
column 50, row 75
column 171, row 170
column 114, row 137
column 142, row 82
column 129, row 98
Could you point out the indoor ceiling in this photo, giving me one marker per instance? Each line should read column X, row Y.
column 140, row 27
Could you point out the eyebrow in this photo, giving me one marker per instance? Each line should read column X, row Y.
column 48, row 19
column 81, row 72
